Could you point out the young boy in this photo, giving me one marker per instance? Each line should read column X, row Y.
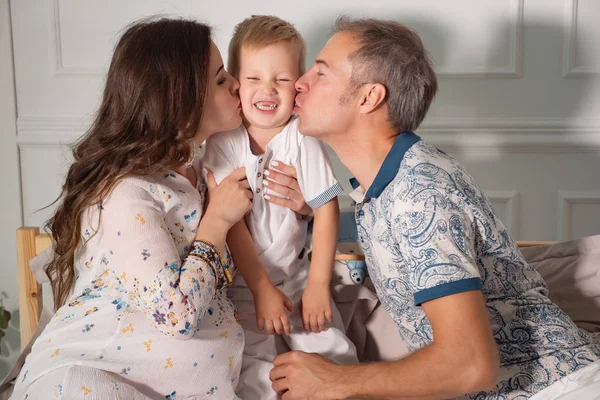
column 267, row 55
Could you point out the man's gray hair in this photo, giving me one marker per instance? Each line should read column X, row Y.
column 393, row 55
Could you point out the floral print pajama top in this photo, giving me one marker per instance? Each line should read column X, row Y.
column 149, row 304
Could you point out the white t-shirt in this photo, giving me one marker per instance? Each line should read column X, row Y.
column 279, row 233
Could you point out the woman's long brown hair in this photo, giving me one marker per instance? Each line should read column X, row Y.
column 150, row 111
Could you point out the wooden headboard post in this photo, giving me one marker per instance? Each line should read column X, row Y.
column 30, row 291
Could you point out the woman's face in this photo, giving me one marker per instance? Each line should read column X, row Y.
column 222, row 110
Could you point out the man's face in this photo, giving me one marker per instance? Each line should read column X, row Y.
column 320, row 90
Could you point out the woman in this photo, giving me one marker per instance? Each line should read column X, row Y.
column 140, row 267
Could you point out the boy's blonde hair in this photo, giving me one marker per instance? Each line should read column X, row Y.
column 260, row 31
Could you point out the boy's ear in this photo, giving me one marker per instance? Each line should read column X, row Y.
column 372, row 96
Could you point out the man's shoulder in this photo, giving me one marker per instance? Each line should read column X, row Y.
column 424, row 164
column 423, row 154
column 426, row 171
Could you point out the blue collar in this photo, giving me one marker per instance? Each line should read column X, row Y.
column 391, row 164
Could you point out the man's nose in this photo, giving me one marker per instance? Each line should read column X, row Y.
column 300, row 84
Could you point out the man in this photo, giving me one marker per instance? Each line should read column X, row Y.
column 476, row 317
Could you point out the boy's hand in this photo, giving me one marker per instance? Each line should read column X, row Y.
column 270, row 304
column 316, row 306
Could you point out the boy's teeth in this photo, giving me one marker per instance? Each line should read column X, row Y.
column 265, row 107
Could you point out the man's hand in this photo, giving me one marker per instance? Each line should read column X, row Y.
column 270, row 304
column 301, row 376
column 316, row 307
column 463, row 358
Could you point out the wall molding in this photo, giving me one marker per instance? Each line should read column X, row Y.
column 494, row 135
column 510, row 199
column 58, row 68
column 515, row 69
column 514, row 135
column 566, row 198
column 49, row 131
column 570, row 69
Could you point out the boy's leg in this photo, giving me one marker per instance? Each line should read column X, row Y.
column 331, row 343
column 259, row 351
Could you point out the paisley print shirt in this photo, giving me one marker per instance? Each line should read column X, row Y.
column 428, row 231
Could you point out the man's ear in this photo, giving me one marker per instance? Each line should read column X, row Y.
column 372, row 96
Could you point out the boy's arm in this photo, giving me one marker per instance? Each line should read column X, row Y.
column 320, row 189
column 325, row 234
column 316, row 299
column 244, row 255
column 270, row 303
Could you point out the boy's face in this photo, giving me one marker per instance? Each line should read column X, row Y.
column 267, row 78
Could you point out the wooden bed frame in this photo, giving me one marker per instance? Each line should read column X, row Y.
column 30, row 243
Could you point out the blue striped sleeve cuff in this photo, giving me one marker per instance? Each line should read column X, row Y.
column 325, row 196
column 446, row 289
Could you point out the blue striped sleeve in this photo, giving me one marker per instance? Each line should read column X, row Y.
column 326, row 196
column 447, row 289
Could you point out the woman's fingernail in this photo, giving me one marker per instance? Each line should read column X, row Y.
column 267, row 173
column 267, row 197
column 265, row 182
column 274, row 163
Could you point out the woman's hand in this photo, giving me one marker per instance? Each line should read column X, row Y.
column 228, row 202
column 282, row 178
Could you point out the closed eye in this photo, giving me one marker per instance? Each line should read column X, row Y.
column 252, row 78
column 284, row 80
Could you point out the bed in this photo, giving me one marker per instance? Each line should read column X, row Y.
column 571, row 270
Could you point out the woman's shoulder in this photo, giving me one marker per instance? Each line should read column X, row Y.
column 167, row 190
column 137, row 190
column 135, row 185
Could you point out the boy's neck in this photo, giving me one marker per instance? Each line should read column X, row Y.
column 260, row 137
